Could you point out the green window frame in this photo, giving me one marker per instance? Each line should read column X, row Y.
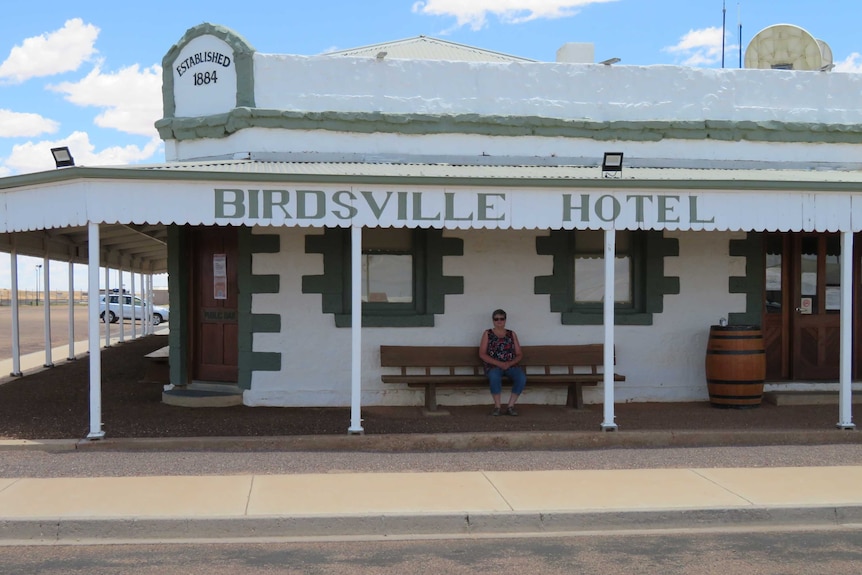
column 648, row 284
column 429, row 285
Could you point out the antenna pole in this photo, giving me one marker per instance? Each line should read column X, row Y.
column 739, row 13
column 723, row 29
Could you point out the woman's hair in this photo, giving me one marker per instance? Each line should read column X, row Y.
column 501, row 312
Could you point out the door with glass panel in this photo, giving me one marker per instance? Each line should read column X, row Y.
column 816, row 314
column 801, row 316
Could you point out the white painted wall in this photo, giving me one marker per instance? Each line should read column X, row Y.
column 662, row 362
column 554, row 90
column 388, row 147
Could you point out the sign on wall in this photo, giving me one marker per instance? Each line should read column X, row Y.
column 205, row 78
column 462, row 207
column 219, row 276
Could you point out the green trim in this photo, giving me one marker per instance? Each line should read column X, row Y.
column 265, row 244
column 752, row 284
column 245, row 336
column 251, row 323
column 179, row 276
column 264, row 283
column 168, row 175
column 266, row 323
column 431, row 285
column 650, row 287
column 223, row 125
column 266, row 361
column 243, row 58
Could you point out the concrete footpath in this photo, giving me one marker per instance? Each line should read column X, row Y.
column 407, row 504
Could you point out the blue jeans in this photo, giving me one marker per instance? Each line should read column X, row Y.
column 515, row 373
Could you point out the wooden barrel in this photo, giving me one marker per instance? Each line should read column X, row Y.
column 735, row 366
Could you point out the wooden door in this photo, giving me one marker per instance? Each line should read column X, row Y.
column 215, row 345
column 776, row 309
column 801, row 315
column 815, row 306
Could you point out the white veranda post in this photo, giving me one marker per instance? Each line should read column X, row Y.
column 134, row 309
column 145, row 322
column 107, row 302
column 149, row 280
column 121, row 300
column 845, row 402
column 356, row 330
column 46, row 299
column 16, row 334
column 71, row 354
column 93, row 317
column 608, row 423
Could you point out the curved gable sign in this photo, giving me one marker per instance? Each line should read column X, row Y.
column 208, row 72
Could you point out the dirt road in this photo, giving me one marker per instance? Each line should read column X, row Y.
column 31, row 320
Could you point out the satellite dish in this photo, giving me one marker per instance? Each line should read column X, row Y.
column 826, row 54
column 785, row 47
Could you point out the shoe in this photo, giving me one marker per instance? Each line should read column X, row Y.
column 496, row 412
column 511, row 411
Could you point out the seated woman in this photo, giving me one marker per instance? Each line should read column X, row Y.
column 501, row 352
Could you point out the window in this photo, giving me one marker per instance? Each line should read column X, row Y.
column 402, row 275
column 589, row 268
column 393, row 272
column 576, row 286
column 387, row 265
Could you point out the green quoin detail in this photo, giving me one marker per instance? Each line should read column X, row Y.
column 243, row 57
column 179, row 278
column 250, row 323
column 247, row 116
column 431, row 285
column 650, row 285
column 752, row 284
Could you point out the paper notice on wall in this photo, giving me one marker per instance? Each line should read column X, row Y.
column 833, row 298
column 219, row 276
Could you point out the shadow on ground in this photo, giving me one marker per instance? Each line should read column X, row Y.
column 54, row 404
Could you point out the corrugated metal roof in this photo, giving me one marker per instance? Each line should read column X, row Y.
column 502, row 172
column 426, row 48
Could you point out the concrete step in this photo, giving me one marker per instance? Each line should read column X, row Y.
column 806, row 397
column 202, row 395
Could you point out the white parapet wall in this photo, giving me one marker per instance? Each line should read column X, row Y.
column 555, row 90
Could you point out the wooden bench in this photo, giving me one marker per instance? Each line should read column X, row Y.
column 572, row 366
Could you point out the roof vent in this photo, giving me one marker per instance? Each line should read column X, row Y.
column 577, row 53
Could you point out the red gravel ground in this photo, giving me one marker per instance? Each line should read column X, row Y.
column 54, row 404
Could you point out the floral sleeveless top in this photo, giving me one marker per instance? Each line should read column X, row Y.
column 502, row 348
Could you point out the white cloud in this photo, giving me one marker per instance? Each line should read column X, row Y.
column 132, row 97
column 60, row 51
column 852, row 63
column 474, row 13
column 36, row 156
column 699, row 47
column 24, row 125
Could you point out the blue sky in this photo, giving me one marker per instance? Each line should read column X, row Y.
column 88, row 74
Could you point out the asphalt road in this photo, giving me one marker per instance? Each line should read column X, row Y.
column 31, row 327
column 800, row 551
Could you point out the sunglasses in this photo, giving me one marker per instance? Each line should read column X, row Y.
column 499, row 319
